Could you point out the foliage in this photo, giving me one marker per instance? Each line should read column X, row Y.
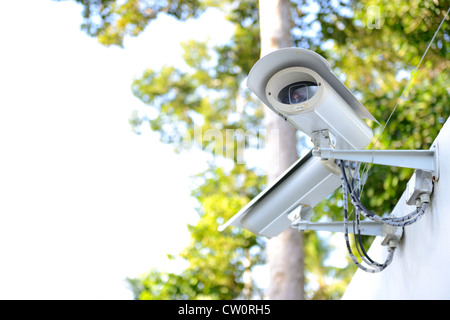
column 373, row 59
column 217, row 261
column 112, row 20
column 373, row 46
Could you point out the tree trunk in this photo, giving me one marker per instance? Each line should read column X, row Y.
column 284, row 252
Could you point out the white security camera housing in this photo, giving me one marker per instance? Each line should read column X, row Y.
column 298, row 85
column 306, row 183
column 325, row 104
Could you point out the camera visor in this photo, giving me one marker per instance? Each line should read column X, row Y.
column 297, row 92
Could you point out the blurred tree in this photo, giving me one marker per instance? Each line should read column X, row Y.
column 217, row 261
column 285, row 251
column 372, row 45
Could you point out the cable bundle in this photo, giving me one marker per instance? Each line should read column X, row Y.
column 351, row 184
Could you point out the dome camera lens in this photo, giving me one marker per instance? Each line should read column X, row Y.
column 297, row 92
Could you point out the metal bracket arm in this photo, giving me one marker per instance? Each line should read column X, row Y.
column 368, row 228
column 415, row 159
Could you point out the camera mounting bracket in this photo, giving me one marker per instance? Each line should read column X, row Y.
column 427, row 160
column 390, row 233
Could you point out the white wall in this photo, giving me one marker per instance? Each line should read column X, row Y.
column 421, row 265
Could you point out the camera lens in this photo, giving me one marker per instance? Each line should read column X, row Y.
column 297, row 92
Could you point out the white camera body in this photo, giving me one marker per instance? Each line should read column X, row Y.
column 306, row 183
column 325, row 109
column 299, row 86
column 332, row 106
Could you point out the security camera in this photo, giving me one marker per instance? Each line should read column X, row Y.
column 298, row 85
column 302, row 186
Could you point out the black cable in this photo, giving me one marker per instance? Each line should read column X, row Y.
column 356, row 220
column 375, row 267
column 397, row 222
column 352, row 187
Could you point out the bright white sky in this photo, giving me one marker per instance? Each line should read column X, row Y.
column 84, row 202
